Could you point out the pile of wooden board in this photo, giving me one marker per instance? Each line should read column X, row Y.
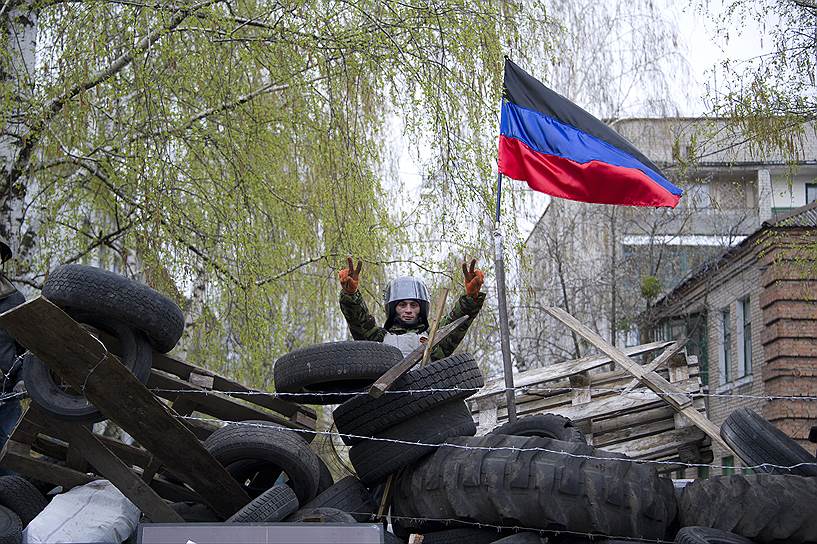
column 615, row 412
column 167, row 460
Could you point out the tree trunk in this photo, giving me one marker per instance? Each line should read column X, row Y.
column 20, row 39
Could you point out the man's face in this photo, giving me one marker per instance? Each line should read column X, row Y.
column 408, row 311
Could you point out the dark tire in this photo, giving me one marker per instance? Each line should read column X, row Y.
column 529, row 482
column 275, row 446
column 705, row 535
column 325, row 480
column 11, row 528
column 108, row 295
column 195, row 512
column 321, row 515
column 21, row 497
column 544, row 426
column 762, row 507
column 274, row 504
column 64, row 403
column 757, row 441
column 461, row 536
column 375, row 459
column 348, row 495
column 334, row 368
column 459, row 371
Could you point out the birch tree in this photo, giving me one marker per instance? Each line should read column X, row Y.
column 231, row 152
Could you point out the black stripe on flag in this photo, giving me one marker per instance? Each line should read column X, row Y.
column 526, row 91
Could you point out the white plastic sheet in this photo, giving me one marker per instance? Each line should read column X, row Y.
column 94, row 512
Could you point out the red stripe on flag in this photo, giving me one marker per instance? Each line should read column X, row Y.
column 594, row 181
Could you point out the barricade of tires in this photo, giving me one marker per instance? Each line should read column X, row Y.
column 537, row 473
column 140, row 318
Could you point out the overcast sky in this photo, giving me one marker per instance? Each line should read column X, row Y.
column 703, row 49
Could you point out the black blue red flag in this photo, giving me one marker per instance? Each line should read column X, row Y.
column 560, row 149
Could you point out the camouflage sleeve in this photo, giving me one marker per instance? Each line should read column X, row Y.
column 465, row 305
column 361, row 323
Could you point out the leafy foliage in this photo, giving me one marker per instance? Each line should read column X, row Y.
column 232, row 152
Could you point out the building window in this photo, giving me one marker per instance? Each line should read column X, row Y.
column 726, row 342
column 703, row 473
column 744, row 330
column 728, row 464
column 811, row 192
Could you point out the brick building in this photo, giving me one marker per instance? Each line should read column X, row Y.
column 593, row 260
column 752, row 314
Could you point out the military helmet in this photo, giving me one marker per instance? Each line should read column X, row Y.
column 5, row 250
column 405, row 288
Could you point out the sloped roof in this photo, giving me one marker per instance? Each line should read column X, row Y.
column 802, row 217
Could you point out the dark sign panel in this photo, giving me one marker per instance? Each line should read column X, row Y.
column 263, row 533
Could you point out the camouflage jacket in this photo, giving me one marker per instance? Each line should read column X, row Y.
column 364, row 327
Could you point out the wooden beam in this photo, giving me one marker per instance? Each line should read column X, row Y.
column 110, row 466
column 390, row 376
column 298, row 416
column 667, row 391
column 302, row 416
column 665, row 356
column 85, row 364
column 208, row 401
column 15, row 457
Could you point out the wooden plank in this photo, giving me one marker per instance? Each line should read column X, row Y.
column 16, row 458
column 581, row 388
column 638, row 400
column 665, row 356
column 654, row 381
column 441, row 298
column 384, row 382
column 209, row 402
column 602, row 426
column 201, row 380
column 659, row 445
column 110, row 466
column 626, row 434
column 598, row 407
column 85, row 364
column 302, row 415
column 486, row 420
column 679, row 367
column 561, row 370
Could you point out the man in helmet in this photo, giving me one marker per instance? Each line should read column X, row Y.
column 406, row 302
column 10, row 351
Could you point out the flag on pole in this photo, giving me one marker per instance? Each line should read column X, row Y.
column 560, row 149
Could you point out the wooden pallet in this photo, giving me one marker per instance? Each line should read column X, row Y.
column 169, row 462
column 638, row 423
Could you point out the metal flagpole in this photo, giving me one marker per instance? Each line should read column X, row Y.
column 504, row 329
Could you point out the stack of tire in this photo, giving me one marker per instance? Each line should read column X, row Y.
column 20, row 502
column 776, row 503
column 139, row 318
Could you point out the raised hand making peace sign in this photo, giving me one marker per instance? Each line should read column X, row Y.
column 473, row 279
column 350, row 277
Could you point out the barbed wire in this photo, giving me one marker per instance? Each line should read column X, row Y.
column 454, row 522
column 503, row 448
column 623, row 391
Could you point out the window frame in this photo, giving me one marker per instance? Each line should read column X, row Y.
column 744, row 336
column 725, row 344
column 812, row 187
